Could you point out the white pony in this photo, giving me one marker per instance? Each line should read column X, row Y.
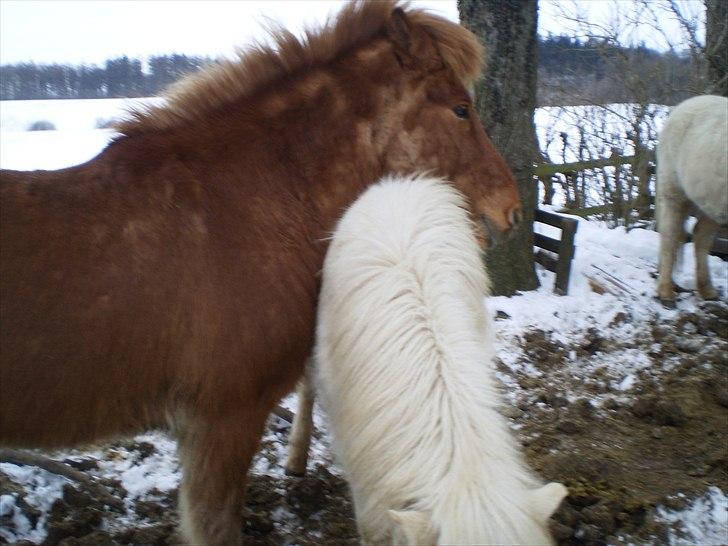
column 404, row 366
column 692, row 177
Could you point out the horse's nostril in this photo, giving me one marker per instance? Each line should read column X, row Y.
column 515, row 216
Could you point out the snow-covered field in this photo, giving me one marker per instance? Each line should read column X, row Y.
column 79, row 133
column 611, row 292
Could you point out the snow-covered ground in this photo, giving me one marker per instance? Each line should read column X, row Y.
column 612, row 287
column 79, row 134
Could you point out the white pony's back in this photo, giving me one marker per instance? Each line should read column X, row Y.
column 404, row 370
column 694, row 146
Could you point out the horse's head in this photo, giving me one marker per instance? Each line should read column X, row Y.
column 436, row 126
column 486, row 524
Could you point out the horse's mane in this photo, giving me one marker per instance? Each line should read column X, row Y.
column 211, row 89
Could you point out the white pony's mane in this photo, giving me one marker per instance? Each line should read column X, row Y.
column 402, row 305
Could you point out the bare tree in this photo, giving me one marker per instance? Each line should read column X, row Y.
column 506, row 99
column 716, row 46
column 625, row 114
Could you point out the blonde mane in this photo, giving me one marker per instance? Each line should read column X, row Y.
column 214, row 88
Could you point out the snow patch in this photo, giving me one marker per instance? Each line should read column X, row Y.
column 704, row 521
column 42, row 489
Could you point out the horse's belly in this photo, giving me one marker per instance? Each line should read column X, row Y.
column 707, row 188
column 701, row 162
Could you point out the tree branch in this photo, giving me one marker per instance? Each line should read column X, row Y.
column 24, row 458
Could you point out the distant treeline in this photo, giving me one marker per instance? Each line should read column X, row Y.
column 122, row 77
column 596, row 71
column 570, row 72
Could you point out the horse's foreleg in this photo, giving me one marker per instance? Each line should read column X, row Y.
column 215, row 455
column 300, row 438
column 703, row 236
column 670, row 223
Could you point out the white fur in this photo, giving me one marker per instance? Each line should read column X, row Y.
column 692, row 176
column 693, row 155
column 404, row 368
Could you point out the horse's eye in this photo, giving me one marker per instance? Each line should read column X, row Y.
column 461, row 111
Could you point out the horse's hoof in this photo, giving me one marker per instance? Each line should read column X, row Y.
column 295, row 473
column 668, row 304
column 709, row 295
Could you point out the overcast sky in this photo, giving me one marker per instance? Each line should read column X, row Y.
column 91, row 31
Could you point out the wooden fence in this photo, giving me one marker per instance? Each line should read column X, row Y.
column 643, row 167
column 564, row 247
column 549, row 169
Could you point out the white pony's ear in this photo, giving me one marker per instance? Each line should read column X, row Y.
column 414, row 526
column 545, row 500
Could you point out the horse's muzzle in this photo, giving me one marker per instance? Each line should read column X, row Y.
column 497, row 235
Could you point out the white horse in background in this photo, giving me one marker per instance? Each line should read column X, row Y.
column 692, row 177
column 404, row 367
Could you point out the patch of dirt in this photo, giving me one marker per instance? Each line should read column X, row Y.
column 624, row 443
column 623, row 453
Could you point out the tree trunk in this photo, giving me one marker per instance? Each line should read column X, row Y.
column 716, row 45
column 506, row 99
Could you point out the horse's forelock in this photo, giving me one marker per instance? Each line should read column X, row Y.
column 201, row 94
column 460, row 49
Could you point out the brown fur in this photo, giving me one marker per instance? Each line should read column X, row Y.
column 173, row 278
column 200, row 96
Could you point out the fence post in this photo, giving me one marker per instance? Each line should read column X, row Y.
column 566, row 254
column 641, row 169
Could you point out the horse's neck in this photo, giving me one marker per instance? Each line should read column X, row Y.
column 332, row 160
column 487, row 483
column 483, row 447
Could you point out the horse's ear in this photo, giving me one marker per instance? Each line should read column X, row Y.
column 412, row 45
column 413, row 526
column 399, row 31
column 545, row 500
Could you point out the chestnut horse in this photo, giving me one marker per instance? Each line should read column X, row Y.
column 172, row 280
